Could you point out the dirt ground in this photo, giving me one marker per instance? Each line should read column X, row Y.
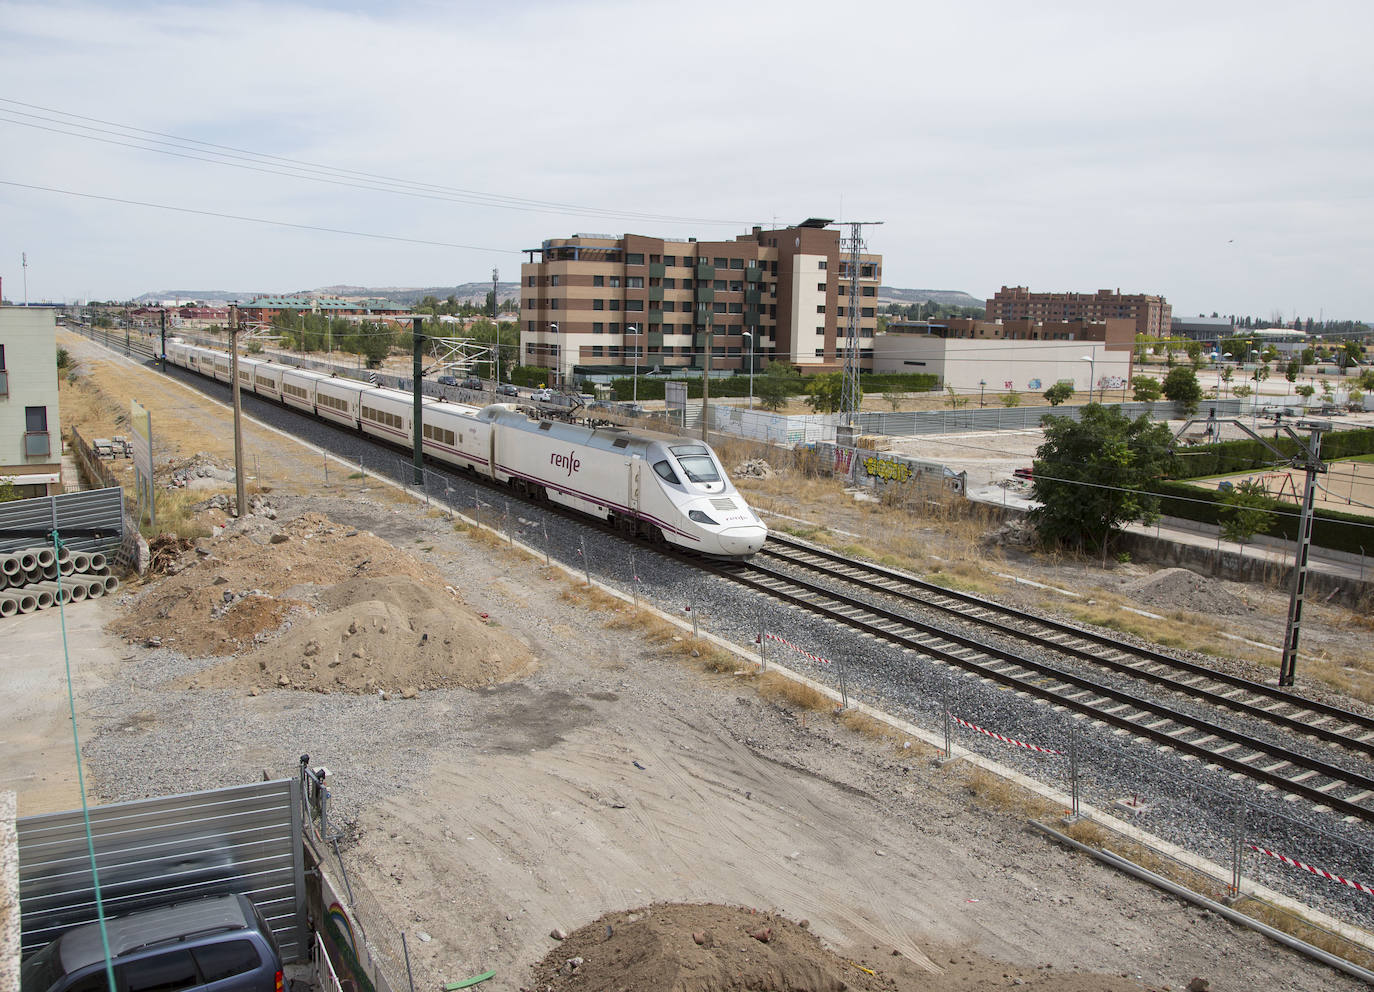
column 613, row 778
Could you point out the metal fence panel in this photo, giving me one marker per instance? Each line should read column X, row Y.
column 24, row 521
column 161, row 850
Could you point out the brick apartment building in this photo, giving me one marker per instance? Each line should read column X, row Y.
column 1151, row 314
column 597, row 302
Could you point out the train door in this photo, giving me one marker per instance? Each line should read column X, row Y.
column 636, row 464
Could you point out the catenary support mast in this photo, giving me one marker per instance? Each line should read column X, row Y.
column 852, row 393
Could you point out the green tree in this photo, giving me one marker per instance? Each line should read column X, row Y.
column 1246, row 511
column 1306, row 390
column 1181, row 387
column 1242, row 391
column 1309, row 355
column 1059, row 392
column 1011, row 399
column 1366, row 380
column 1227, row 374
column 1088, row 475
column 825, row 393
column 1291, row 370
column 954, row 400
column 1145, row 389
column 777, row 383
column 1195, row 355
column 894, row 399
column 8, row 491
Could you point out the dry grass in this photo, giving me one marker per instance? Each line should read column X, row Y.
column 593, row 598
column 996, row 792
column 783, row 691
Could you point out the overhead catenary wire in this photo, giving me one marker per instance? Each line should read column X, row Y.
column 160, row 142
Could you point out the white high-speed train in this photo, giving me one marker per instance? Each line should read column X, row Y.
column 655, row 486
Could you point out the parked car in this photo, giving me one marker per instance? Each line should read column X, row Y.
column 1023, row 473
column 544, row 395
column 447, row 380
column 472, row 382
column 507, row 389
column 220, row 940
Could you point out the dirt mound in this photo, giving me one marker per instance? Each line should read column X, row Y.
column 320, row 606
column 702, row 947
column 1181, row 589
column 392, row 634
column 696, row 948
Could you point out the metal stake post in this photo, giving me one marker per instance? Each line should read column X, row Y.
column 545, row 525
column 1237, row 847
column 586, row 566
column 844, row 686
column 510, row 535
column 695, row 630
column 406, row 950
column 763, row 642
column 1073, row 772
column 634, row 579
column 944, row 705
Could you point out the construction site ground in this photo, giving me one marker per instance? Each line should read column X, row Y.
column 539, row 761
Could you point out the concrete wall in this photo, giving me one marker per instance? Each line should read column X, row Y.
column 1024, row 366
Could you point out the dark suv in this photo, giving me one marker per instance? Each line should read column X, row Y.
column 220, row 943
column 473, row 383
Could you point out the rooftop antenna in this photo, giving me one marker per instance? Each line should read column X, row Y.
column 24, row 257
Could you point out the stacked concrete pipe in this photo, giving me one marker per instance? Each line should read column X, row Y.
column 36, row 578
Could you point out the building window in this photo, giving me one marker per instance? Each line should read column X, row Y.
column 529, row 326
column 634, row 258
column 687, row 284
column 529, row 280
column 737, row 263
column 636, row 305
column 670, row 284
column 553, row 303
column 553, row 280
column 869, row 290
column 721, row 263
column 597, row 351
column 615, row 282
column 820, row 308
column 736, row 287
column 615, row 327
column 736, row 308
column 865, row 311
column 820, row 352
column 655, row 259
column 669, row 306
column 717, row 307
column 821, row 265
column 718, row 284
column 615, row 304
column 598, row 280
column 820, row 330
column 669, row 259
column 36, row 431
column 598, row 327
column 820, row 287
column 634, row 282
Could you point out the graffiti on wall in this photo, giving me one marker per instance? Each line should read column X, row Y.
column 888, row 469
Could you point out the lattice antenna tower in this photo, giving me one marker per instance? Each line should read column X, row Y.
column 852, row 393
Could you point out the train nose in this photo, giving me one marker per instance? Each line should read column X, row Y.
column 740, row 541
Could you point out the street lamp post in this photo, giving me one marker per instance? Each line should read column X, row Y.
column 749, row 338
column 1092, row 371
column 557, row 357
column 634, row 386
column 982, row 384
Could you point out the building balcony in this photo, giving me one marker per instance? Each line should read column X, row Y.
column 655, row 316
column 753, row 297
column 753, row 273
column 656, row 293
column 656, row 341
column 705, row 270
column 657, row 270
column 706, row 296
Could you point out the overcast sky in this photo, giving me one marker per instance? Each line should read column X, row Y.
column 1217, row 153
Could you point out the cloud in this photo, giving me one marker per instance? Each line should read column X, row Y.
column 1065, row 146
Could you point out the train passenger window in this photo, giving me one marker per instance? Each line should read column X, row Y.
column 665, row 472
column 696, row 461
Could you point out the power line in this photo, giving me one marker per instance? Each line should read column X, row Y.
column 259, row 162
column 255, row 220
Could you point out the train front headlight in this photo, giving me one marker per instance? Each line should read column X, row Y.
column 701, row 518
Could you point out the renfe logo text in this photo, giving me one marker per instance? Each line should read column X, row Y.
column 570, row 463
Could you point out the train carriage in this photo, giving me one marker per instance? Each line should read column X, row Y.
column 247, row 366
column 453, row 434
column 219, row 366
column 387, row 414
column 336, row 400
column 298, row 388
column 267, row 380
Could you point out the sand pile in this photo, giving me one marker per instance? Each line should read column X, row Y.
column 392, row 634
column 1181, row 589
column 307, row 603
column 712, row 948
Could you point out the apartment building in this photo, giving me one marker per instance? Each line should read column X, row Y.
column 30, row 430
column 1152, row 314
column 592, row 303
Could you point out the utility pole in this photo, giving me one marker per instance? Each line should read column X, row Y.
column 1308, row 458
column 417, row 430
column 164, row 339
column 852, row 394
column 706, row 386
column 495, row 276
column 240, row 490
column 24, row 259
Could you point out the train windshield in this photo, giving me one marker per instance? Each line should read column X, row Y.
column 697, row 463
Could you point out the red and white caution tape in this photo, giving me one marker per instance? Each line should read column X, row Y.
column 1313, row 869
column 1004, row 740
column 801, row 651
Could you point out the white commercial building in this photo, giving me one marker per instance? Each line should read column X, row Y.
column 1002, row 365
column 30, row 430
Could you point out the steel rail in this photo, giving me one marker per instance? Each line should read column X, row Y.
column 737, row 573
column 1288, row 721
column 1149, row 654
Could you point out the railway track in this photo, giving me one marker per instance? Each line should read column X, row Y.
column 1271, row 766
